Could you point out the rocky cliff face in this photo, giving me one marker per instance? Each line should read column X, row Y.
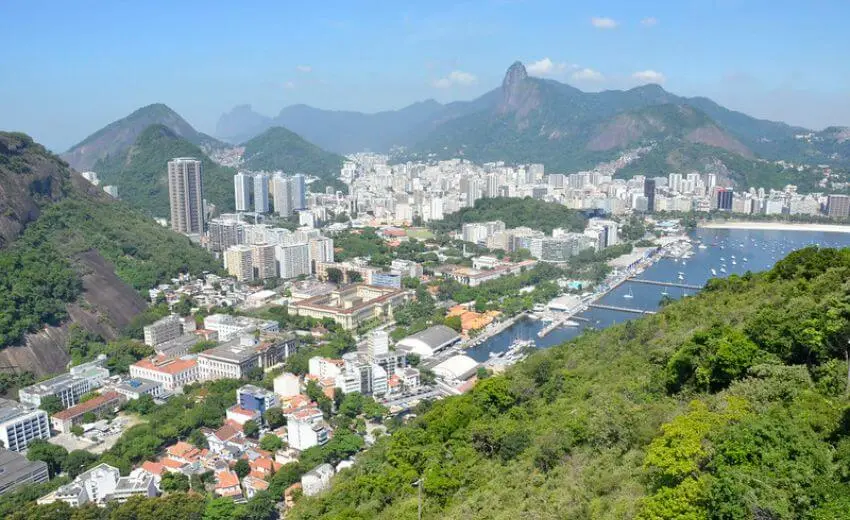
column 520, row 95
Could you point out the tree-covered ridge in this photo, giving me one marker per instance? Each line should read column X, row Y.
column 141, row 171
column 280, row 149
column 40, row 271
column 729, row 404
column 514, row 212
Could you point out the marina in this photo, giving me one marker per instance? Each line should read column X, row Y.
column 652, row 280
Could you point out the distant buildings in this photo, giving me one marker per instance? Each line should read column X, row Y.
column 186, row 195
column 19, row 425
column 243, row 184
column 69, row 387
column 293, row 260
column 16, row 471
column 239, row 262
column 838, row 206
column 478, row 232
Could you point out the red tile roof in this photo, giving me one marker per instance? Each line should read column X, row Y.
column 88, row 406
column 154, row 468
column 226, row 479
column 167, row 365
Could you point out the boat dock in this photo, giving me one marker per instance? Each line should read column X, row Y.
column 619, row 309
column 665, row 284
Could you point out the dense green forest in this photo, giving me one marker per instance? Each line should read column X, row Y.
column 729, row 404
column 514, row 212
column 280, row 149
column 141, row 172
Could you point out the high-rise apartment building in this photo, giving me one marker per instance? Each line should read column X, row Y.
column 261, row 193
column 321, row 250
column 282, row 195
column 298, row 192
column 243, row 183
column 649, row 193
column 239, row 262
column 186, row 195
column 838, row 206
column 293, row 260
column 263, row 258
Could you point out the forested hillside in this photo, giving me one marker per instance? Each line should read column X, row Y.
column 514, row 212
column 141, row 172
column 730, row 404
column 76, row 230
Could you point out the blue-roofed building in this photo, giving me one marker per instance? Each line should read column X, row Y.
column 137, row 387
column 253, row 397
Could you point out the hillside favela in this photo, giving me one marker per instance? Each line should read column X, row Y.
column 430, row 260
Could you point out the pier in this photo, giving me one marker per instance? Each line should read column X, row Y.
column 619, row 309
column 665, row 284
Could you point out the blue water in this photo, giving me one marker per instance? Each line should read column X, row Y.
column 761, row 248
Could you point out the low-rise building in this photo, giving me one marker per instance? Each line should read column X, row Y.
column 16, row 471
column 66, row 419
column 162, row 330
column 229, row 327
column 306, row 428
column 172, row 373
column 429, row 341
column 136, row 387
column 227, row 485
column 19, row 425
column 353, row 305
column 69, row 387
column 101, row 484
column 287, row 385
column 236, row 358
column 252, row 397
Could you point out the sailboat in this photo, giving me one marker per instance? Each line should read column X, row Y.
column 713, row 272
column 665, row 293
column 629, row 295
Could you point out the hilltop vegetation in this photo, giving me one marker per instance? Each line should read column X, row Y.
column 141, row 172
column 730, row 404
column 280, row 149
column 514, row 212
column 41, row 271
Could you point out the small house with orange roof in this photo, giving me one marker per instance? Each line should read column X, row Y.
column 254, row 485
column 227, row 485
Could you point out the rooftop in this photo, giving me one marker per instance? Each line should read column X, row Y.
column 13, row 465
column 88, row 406
column 434, row 337
column 167, row 365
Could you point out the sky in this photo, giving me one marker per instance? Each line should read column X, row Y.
column 69, row 68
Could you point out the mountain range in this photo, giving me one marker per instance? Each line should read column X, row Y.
column 72, row 258
column 529, row 119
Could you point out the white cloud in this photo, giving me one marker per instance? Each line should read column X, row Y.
column 649, row 21
column 304, row 68
column 649, row 76
column 289, row 85
column 603, row 23
column 587, row 74
column 456, row 77
column 545, row 67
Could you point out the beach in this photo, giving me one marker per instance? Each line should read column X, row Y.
column 776, row 226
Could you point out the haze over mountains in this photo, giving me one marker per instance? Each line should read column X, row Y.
column 525, row 119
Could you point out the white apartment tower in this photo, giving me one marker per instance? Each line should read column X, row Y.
column 242, row 184
column 186, row 195
column 282, row 196
column 293, row 260
column 261, row 193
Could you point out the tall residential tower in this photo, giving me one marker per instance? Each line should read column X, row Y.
column 186, row 195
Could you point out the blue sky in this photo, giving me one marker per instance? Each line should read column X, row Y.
column 69, row 68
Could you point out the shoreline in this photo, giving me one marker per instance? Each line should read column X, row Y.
column 775, row 226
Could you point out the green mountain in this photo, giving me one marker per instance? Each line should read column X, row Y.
column 280, row 149
column 730, row 404
column 115, row 138
column 140, row 171
column 72, row 255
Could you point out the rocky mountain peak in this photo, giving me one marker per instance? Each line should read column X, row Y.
column 518, row 93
